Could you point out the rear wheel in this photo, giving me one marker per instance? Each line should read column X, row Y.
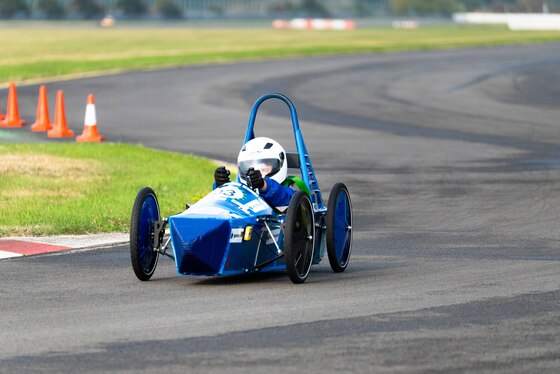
column 339, row 227
column 299, row 240
column 145, row 212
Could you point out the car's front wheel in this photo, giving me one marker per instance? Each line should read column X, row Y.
column 145, row 212
column 299, row 240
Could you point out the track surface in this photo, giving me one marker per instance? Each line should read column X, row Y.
column 452, row 159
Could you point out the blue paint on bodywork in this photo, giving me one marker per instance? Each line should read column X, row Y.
column 207, row 239
column 200, row 244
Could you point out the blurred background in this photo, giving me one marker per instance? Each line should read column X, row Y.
column 259, row 9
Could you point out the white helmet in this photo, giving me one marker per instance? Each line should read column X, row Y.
column 263, row 154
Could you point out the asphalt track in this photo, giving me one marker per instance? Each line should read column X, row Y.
column 453, row 162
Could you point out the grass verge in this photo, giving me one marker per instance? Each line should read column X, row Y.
column 50, row 52
column 50, row 189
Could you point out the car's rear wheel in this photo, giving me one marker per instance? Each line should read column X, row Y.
column 145, row 212
column 299, row 240
column 339, row 227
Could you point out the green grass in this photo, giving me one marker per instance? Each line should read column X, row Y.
column 48, row 189
column 49, row 52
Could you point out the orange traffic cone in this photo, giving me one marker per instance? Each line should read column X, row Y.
column 90, row 134
column 1, row 115
column 12, row 115
column 60, row 129
column 43, row 122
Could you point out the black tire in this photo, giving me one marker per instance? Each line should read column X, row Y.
column 299, row 237
column 145, row 212
column 339, row 227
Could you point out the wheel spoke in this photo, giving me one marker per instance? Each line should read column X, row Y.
column 297, row 259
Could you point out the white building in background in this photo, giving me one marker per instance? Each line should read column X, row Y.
column 514, row 21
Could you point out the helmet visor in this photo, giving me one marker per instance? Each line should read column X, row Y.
column 267, row 166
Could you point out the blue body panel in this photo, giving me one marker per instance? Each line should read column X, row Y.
column 207, row 239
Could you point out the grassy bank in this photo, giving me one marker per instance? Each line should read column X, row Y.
column 48, row 189
column 50, row 52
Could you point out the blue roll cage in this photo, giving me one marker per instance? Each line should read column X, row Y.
column 306, row 169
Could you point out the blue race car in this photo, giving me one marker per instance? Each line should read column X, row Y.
column 232, row 230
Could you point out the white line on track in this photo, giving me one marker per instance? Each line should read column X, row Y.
column 4, row 255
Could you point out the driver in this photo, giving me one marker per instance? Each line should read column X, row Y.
column 262, row 164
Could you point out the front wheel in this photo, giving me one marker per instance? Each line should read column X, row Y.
column 339, row 227
column 299, row 239
column 145, row 212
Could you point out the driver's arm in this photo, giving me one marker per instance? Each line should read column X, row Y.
column 275, row 194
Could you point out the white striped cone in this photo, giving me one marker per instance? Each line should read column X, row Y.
column 90, row 134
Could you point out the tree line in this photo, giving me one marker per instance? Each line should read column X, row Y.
column 88, row 9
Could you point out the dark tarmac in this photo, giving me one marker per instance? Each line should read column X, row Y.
column 452, row 159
